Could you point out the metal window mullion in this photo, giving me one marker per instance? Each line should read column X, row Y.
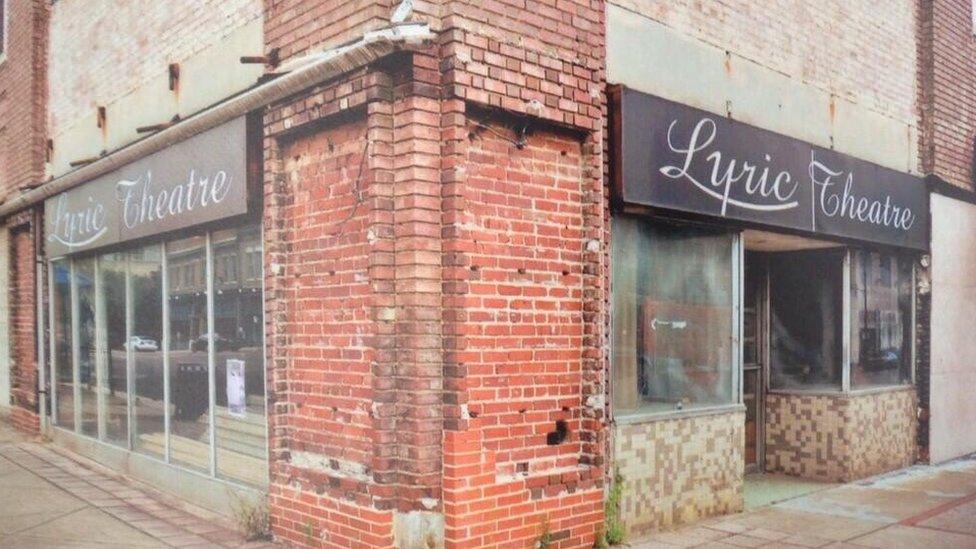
column 75, row 347
column 914, row 320
column 52, row 344
column 737, row 317
column 100, row 348
column 164, row 266
column 130, row 381
column 846, row 324
column 211, row 355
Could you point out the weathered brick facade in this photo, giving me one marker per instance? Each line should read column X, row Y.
column 22, row 153
column 947, row 90
column 436, row 315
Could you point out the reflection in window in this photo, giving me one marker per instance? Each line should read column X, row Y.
column 61, row 341
column 112, row 371
column 672, row 317
column 84, row 280
column 806, row 305
column 188, row 361
column 239, row 345
column 146, row 349
column 110, row 380
column 881, row 320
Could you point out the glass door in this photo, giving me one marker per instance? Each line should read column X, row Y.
column 753, row 315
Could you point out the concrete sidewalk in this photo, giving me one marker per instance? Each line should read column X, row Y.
column 919, row 507
column 51, row 498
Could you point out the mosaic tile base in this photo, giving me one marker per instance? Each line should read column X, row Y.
column 840, row 437
column 680, row 470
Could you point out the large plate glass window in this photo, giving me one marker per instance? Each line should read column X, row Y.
column 881, row 319
column 145, row 348
column 239, row 346
column 64, row 413
column 112, row 363
column 806, row 320
column 186, row 261
column 84, row 280
column 673, row 317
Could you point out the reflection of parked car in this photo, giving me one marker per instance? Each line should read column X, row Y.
column 202, row 342
column 140, row 343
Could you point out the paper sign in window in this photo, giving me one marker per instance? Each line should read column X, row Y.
column 236, row 396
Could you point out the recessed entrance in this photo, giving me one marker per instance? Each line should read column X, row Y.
column 775, row 328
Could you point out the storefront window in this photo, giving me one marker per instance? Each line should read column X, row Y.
column 806, row 319
column 84, row 280
column 672, row 317
column 146, row 349
column 239, row 344
column 61, row 343
column 113, row 341
column 881, row 320
column 112, row 370
column 189, row 382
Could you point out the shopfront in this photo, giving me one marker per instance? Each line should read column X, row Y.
column 762, row 310
column 156, row 326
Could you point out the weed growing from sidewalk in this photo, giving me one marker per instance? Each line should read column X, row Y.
column 613, row 532
column 251, row 516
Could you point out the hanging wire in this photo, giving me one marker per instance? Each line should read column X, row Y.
column 358, row 190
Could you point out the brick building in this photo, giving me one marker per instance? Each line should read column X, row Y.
column 23, row 48
column 359, row 261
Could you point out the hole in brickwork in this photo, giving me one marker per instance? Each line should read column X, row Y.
column 522, row 467
column 559, row 435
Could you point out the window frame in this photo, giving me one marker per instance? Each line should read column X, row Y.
column 913, row 334
column 209, row 280
column 737, row 250
column 738, row 290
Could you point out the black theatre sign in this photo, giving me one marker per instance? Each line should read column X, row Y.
column 201, row 179
column 672, row 156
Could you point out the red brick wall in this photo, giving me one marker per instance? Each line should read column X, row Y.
column 22, row 155
column 521, row 355
column 23, row 364
column 22, row 96
column 483, row 274
column 947, row 90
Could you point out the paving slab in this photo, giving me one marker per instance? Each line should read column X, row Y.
column 867, row 503
column 897, row 536
column 960, row 519
column 922, row 506
column 52, row 498
column 806, row 523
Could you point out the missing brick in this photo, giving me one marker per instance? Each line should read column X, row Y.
column 559, row 435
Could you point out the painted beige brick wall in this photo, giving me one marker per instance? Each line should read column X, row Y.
column 117, row 55
column 835, row 73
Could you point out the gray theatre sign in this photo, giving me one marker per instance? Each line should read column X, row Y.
column 675, row 157
column 201, row 179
